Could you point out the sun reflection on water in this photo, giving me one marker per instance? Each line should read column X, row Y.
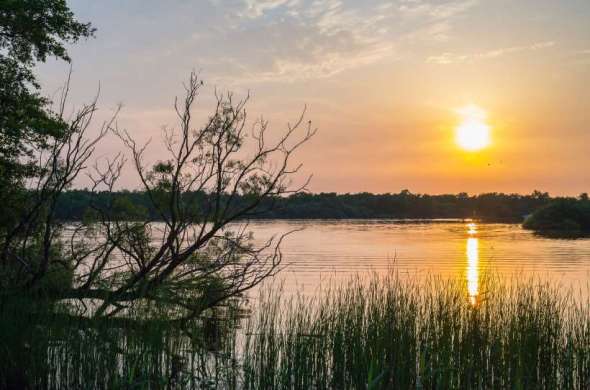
column 472, row 263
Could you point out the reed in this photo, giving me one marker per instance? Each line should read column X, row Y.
column 390, row 333
column 54, row 349
column 376, row 333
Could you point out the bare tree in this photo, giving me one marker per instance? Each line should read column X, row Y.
column 30, row 249
column 194, row 255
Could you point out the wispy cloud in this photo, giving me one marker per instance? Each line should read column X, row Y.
column 287, row 40
column 257, row 8
column 434, row 10
column 454, row 58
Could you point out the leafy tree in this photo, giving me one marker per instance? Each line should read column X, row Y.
column 30, row 31
column 130, row 271
column 566, row 217
column 218, row 175
column 195, row 261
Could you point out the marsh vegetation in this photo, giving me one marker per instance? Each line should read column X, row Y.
column 377, row 333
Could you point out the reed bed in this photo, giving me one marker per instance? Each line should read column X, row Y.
column 380, row 333
column 392, row 334
column 41, row 349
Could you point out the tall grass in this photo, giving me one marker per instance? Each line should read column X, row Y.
column 381, row 333
column 49, row 349
column 389, row 333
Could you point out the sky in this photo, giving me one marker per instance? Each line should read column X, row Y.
column 383, row 81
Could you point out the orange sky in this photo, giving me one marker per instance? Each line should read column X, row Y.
column 382, row 81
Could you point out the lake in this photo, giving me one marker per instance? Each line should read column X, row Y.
column 501, row 340
column 325, row 251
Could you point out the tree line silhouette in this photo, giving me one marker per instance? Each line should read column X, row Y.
column 135, row 205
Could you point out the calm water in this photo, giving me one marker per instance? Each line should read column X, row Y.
column 333, row 250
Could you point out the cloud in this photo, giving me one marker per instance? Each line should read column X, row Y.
column 453, row 58
column 434, row 11
column 326, row 65
column 257, row 8
column 245, row 41
column 287, row 40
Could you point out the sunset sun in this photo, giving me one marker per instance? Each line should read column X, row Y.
column 472, row 133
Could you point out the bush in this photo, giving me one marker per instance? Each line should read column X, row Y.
column 563, row 217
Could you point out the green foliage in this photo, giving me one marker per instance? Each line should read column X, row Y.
column 563, row 217
column 30, row 31
column 34, row 29
column 59, row 275
column 124, row 209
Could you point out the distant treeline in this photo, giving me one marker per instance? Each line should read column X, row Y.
column 75, row 204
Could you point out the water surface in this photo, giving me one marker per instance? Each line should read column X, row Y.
column 327, row 250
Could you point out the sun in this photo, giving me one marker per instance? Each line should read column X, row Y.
column 473, row 136
column 473, row 133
